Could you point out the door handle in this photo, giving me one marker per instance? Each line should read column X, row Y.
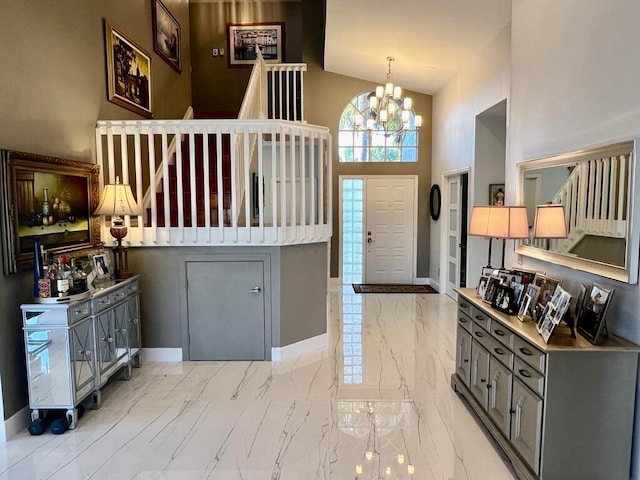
column 255, row 290
column 369, row 240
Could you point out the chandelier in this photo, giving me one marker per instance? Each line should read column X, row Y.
column 388, row 110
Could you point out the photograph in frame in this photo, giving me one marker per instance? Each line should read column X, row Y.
column 482, row 286
column 244, row 38
column 547, row 288
column 489, row 293
column 503, row 299
column 561, row 301
column 128, row 73
column 524, row 308
column 518, row 292
column 167, row 39
column 591, row 321
column 496, row 194
column 547, row 328
column 488, row 271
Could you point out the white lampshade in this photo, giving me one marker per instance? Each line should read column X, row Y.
column 388, row 89
column 379, row 91
column 397, row 92
column 550, row 222
column 117, row 200
column 408, row 103
column 373, row 102
column 418, row 121
column 495, row 221
column 383, row 115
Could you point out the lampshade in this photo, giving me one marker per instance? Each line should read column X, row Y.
column 495, row 221
column 550, row 222
column 117, row 199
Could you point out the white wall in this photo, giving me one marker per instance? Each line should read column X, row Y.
column 574, row 84
column 471, row 92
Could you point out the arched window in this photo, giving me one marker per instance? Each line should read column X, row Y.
column 362, row 139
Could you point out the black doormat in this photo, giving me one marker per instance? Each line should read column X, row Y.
column 391, row 288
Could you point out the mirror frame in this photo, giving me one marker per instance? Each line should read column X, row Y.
column 628, row 273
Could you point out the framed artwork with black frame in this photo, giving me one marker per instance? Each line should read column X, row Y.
column 167, row 39
column 503, row 299
column 244, row 38
column 591, row 321
column 49, row 198
column 482, row 286
column 489, row 293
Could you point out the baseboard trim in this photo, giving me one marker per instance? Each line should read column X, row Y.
column 162, row 354
column 289, row 352
column 434, row 284
column 16, row 424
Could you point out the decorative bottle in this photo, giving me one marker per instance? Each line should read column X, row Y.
column 46, row 208
column 37, row 266
column 53, row 274
column 62, row 279
column 78, row 278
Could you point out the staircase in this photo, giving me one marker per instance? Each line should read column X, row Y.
column 263, row 178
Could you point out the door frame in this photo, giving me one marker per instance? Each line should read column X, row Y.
column 225, row 257
column 414, row 255
column 444, row 241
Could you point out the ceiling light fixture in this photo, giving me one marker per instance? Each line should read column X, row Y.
column 388, row 110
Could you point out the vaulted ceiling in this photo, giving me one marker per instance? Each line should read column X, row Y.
column 431, row 40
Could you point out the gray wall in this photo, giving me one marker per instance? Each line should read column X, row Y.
column 298, row 290
column 52, row 92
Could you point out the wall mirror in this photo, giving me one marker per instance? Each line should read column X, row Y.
column 596, row 188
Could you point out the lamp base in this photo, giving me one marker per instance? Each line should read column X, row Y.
column 121, row 262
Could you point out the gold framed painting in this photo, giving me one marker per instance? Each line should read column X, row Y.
column 50, row 198
column 128, row 72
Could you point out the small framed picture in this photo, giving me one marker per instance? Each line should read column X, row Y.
column 547, row 287
column 518, row 292
column 508, row 277
column 490, row 291
column 548, row 313
column 167, row 36
column 523, row 312
column 102, row 266
column 488, row 271
column 496, row 194
column 482, row 286
column 546, row 330
column 592, row 317
column 561, row 300
column 503, row 299
column 579, row 303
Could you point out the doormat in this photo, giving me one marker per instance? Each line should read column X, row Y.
column 391, row 288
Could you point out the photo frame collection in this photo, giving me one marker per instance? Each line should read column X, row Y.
column 541, row 298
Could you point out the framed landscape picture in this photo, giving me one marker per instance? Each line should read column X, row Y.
column 49, row 198
column 244, row 38
column 128, row 73
column 167, row 40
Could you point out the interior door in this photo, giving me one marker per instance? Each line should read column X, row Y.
column 226, row 319
column 389, row 229
column 453, row 233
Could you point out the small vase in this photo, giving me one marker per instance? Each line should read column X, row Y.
column 37, row 266
column 46, row 208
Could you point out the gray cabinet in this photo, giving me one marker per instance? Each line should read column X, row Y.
column 548, row 406
column 73, row 348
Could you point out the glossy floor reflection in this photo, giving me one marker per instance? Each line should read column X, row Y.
column 375, row 404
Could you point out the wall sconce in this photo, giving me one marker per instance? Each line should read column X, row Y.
column 117, row 200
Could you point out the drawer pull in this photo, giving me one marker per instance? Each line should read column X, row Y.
column 463, row 320
column 526, row 351
column 488, row 386
column 465, row 360
column 479, row 317
column 80, row 312
column 478, row 334
column 499, row 351
column 120, row 294
column 483, row 380
column 464, row 305
column 499, row 333
column 524, row 373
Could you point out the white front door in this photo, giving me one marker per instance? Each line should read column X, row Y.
column 390, row 229
column 453, row 234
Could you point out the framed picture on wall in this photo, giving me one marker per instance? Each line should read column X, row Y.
column 167, row 40
column 496, row 194
column 128, row 73
column 244, row 38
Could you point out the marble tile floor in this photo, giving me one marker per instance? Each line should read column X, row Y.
column 375, row 404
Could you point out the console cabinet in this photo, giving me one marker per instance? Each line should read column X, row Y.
column 73, row 348
column 562, row 410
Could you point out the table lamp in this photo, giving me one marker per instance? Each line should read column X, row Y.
column 549, row 222
column 117, row 200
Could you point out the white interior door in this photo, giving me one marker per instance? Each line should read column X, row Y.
column 390, row 229
column 453, row 234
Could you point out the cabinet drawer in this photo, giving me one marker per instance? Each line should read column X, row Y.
column 532, row 379
column 80, row 311
column 464, row 305
column 530, row 354
column 495, row 348
column 502, row 334
column 464, row 321
column 102, row 303
column 481, row 318
column 119, row 295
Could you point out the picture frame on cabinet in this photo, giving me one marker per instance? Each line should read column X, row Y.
column 167, row 36
column 102, row 267
column 518, row 293
column 523, row 312
column 591, row 321
column 50, row 198
column 482, row 286
column 547, row 287
column 503, row 299
column 129, row 88
column 561, row 300
column 490, row 291
column 547, row 328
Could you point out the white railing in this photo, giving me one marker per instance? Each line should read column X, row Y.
column 290, row 205
column 601, row 209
